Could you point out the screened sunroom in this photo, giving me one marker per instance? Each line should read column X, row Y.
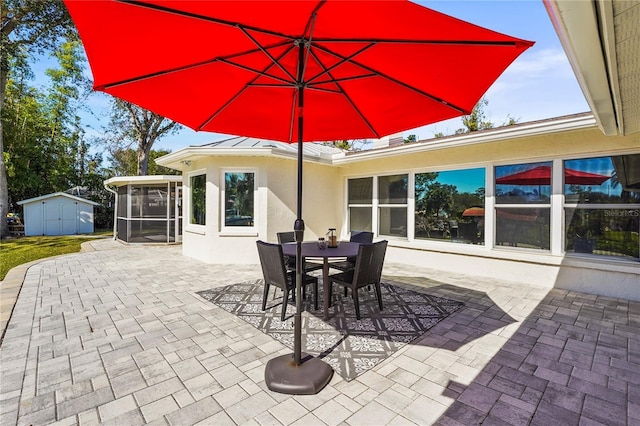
column 148, row 209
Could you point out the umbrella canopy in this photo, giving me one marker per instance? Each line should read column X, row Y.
column 291, row 71
column 473, row 211
column 369, row 69
column 541, row 175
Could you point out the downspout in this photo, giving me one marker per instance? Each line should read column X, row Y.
column 115, row 209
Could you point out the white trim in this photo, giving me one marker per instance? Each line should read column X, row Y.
column 133, row 180
column 186, row 196
column 226, row 230
column 58, row 194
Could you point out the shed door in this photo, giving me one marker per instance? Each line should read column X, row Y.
column 69, row 218
column 52, row 219
column 60, row 218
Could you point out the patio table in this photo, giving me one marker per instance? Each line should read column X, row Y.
column 311, row 249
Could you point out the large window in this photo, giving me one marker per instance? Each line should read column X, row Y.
column 392, row 205
column 198, row 185
column 523, row 205
column 602, row 205
column 239, row 199
column 449, row 206
column 360, row 203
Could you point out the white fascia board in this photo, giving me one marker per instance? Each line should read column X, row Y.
column 586, row 121
column 141, row 180
column 174, row 159
column 576, row 24
column 58, row 194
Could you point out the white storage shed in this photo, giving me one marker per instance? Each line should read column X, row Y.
column 57, row 214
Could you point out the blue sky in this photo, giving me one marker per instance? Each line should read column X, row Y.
column 539, row 84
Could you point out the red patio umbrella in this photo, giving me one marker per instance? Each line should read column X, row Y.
column 473, row 211
column 541, row 175
column 292, row 71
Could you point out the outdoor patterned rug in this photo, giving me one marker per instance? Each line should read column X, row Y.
column 349, row 346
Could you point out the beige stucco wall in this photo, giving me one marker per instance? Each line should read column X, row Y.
column 276, row 204
column 610, row 277
column 573, row 144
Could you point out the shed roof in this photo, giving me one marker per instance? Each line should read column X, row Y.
column 58, row 194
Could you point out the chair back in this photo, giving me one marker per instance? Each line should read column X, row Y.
column 362, row 237
column 368, row 268
column 286, row 237
column 272, row 262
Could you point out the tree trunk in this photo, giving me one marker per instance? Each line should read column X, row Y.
column 4, row 183
column 143, row 158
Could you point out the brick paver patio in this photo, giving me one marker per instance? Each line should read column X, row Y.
column 118, row 336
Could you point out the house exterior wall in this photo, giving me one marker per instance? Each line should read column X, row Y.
column 276, row 206
column 555, row 269
column 325, row 205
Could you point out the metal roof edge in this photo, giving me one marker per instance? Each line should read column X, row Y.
column 125, row 180
column 561, row 124
column 56, row 194
column 188, row 153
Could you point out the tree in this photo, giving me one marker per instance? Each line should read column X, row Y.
column 477, row 120
column 410, row 138
column 28, row 27
column 44, row 150
column 124, row 162
column 348, row 144
column 131, row 124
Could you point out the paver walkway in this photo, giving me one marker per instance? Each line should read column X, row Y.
column 118, row 336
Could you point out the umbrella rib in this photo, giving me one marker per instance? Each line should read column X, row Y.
column 259, row 73
column 249, row 84
column 167, row 9
column 353, row 105
column 410, row 41
column 267, row 54
column 224, row 59
column 396, row 81
column 342, row 61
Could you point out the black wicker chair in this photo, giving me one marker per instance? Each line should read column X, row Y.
column 362, row 237
column 367, row 271
column 276, row 274
column 290, row 262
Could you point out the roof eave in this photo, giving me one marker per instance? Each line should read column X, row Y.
column 570, row 123
column 579, row 27
column 182, row 159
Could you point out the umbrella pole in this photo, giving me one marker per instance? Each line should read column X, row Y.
column 300, row 374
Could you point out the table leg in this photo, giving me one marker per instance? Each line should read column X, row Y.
column 326, row 298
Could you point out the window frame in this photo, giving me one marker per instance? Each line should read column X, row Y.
column 238, row 230
column 196, row 227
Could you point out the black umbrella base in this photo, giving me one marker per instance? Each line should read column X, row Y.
column 282, row 375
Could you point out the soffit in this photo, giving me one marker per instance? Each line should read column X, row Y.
column 626, row 28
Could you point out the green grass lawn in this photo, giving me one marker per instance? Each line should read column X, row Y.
column 14, row 252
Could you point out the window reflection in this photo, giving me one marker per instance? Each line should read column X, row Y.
column 360, row 196
column 450, row 206
column 602, row 215
column 198, row 199
column 393, row 192
column 238, row 199
column 523, row 183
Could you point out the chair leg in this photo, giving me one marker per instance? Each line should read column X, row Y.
column 265, row 294
column 315, row 295
column 285, row 302
column 356, row 302
column 379, row 295
column 330, row 293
